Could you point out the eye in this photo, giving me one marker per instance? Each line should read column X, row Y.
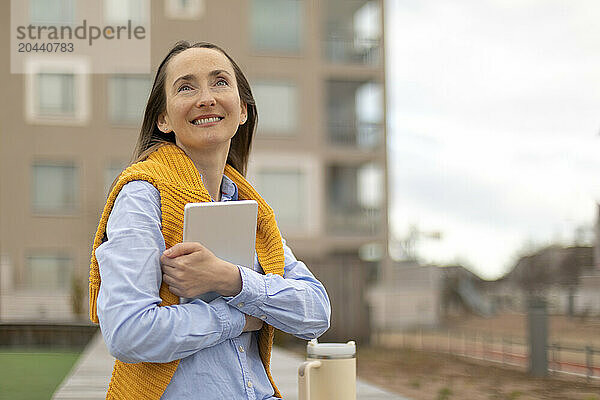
column 184, row 87
column 222, row 82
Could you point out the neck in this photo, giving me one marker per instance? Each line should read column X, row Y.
column 210, row 163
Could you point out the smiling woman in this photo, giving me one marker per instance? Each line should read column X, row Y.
column 194, row 147
column 156, row 108
column 203, row 108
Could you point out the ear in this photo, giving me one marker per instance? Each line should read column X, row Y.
column 163, row 123
column 243, row 113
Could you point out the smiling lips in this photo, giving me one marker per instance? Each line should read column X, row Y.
column 207, row 120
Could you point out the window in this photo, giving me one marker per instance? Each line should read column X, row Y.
column 367, row 27
column 289, row 183
column 119, row 12
column 353, row 31
column 55, row 188
column 277, row 25
column 51, row 12
column 355, row 199
column 278, row 107
column 185, row 9
column 48, row 272
column 56, row 94
column 356, row 186
column 369, row 100
column 57, row 91
column 370, row 184
column 127, row 96
column 348, row 126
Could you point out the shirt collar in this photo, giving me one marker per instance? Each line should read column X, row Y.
column 229, row 190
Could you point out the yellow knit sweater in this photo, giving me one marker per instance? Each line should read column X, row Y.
column 171, row 171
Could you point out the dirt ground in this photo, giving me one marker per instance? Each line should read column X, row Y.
column 428, row 375
column 575, row 330
column 424, row 375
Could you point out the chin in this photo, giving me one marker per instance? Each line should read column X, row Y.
column 206, row 143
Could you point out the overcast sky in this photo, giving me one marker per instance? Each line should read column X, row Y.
column 494, row 120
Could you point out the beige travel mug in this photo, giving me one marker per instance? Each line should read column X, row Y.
column 329, row 372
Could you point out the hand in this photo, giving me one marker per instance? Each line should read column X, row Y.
column 190, row 269
column 252, row 323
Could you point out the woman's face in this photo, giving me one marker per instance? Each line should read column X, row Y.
column 204, row 108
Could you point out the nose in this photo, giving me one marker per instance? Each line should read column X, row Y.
column 205, row 98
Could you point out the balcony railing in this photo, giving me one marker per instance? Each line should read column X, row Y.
column 353, row 221
column 354, row 51
column 362, row 135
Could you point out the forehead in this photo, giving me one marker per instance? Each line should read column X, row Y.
column 197, row 61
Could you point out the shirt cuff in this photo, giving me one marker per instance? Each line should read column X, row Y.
column 232, row 319
column 253, row 294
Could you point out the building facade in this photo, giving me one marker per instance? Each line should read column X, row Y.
column 317, row 70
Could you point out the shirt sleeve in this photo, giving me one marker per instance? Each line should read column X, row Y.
column 296, row 302
column 133, row 325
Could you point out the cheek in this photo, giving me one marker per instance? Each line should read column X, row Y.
column 234, row 104
column 177, row 111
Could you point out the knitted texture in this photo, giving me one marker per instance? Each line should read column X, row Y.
column 172, row 172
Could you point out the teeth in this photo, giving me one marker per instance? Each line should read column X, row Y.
column 205, row 120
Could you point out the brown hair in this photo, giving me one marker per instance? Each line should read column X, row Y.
column 151, row 137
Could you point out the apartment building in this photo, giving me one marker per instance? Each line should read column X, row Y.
column 319, row 157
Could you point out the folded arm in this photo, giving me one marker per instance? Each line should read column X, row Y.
column 296, row 303
column 134, row 327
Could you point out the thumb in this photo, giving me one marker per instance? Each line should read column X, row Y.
column 182, row 249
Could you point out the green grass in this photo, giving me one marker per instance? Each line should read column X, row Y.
column 32, row 374
column 444, row 393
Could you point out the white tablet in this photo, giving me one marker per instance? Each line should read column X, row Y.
column 227, row 228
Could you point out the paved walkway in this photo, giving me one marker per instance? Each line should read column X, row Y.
column 88, row 380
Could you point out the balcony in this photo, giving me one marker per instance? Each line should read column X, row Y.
column 349, row 221
column 353, row 32
column 367, row 136
column 355, row 113
column 340, row 50
column 355, row 199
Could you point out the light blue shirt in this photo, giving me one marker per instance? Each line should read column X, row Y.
column 218, row 361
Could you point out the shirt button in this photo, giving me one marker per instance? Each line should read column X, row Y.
column 249, row 384
column 241, row 349
column 241, row 304
column 263, row 317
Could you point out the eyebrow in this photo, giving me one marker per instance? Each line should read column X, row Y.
column 191, row 77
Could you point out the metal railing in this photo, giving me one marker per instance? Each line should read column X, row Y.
column 354, row 221
column 573, row 359
column 362, row 135
column 341, row 49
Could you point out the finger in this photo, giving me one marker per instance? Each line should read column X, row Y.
column 175, row 290
column 172, row 282
column 164, row 260
column 181, row 249
column 168, row 269
column 168, row 280
column 173, row 273
column 172, row 285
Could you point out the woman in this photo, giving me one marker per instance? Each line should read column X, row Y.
column 194, row 146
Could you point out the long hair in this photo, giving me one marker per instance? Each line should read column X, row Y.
column 151, row 137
